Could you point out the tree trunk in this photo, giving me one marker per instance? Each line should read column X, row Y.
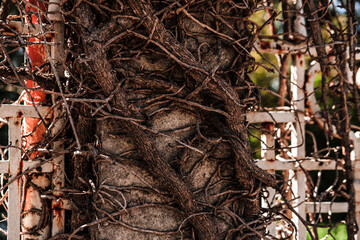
column 172, row 157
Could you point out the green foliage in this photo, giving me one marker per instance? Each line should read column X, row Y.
column 255, row 143
column 338, row 233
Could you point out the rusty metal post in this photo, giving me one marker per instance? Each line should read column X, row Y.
column 14, row 188
column 58, row 180
column 57, row 56
column 268, row 153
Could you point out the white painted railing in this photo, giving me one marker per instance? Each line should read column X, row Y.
column 295, row 115
column 271, row 163
column 16, row 167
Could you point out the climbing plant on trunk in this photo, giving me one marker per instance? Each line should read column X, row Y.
column 171, row 130
column 150, row 98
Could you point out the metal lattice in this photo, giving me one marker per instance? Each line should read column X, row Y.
column 15, row 166
column 298, row 162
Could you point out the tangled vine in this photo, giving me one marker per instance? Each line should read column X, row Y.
column 155, row 95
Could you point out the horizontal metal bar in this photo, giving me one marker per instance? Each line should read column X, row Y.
column 325, row 207
column 36, row 165
column 19, row 111
column 22, row 28
column 274, row 47
column 4, row 166
column 281, row 47
column 310, row 165
column 271, row 116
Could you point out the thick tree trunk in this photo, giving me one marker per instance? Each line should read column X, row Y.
column 172, row 155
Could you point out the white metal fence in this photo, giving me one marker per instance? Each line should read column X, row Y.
column 295, row 115
column 298, row 160
column 271, row 163
column 15, row 166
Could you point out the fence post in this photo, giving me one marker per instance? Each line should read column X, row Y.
column 298, row 136
column 58, row 179
column 268, row 153
column 16, row 187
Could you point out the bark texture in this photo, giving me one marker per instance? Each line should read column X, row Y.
column 172, row 152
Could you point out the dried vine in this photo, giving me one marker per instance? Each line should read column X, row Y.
column 131, row 66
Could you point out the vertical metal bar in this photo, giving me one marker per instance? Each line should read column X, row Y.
column 270, row 199
column 297, row 142
column 268, row 153
column 298, row 137
column 268, row 142
column 58, row 179
column 57, row 55
column 14, row 210
column 57, row 49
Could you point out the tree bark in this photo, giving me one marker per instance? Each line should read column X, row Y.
column 157, row 137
